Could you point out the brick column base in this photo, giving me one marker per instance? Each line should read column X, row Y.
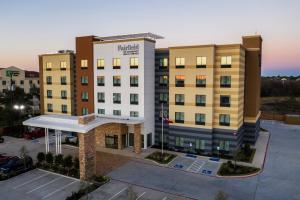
column 87, row 154
column 137, row 138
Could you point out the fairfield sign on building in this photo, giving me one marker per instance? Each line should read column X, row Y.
column 129, row 49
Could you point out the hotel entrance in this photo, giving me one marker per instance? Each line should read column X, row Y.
column 128, row 140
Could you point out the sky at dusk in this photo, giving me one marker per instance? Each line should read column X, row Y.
column 32, row 27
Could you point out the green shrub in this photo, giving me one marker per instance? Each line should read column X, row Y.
column 247, row 150
column 58, row 160
column 76, row 163
column 40, row 157
column 49, row 158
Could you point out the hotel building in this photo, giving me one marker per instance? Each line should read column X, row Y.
column 119, row 85
column 57, row 78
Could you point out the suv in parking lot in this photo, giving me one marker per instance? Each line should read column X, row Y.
column 16, row 165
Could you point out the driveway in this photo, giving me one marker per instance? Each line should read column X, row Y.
column 279, row 180
column 38, row 185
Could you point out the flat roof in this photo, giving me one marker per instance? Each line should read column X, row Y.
column 148, row 35
column 70, row 123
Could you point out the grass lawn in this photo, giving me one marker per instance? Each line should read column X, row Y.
column 241, row 156
column 227, row 169
column 161, row 158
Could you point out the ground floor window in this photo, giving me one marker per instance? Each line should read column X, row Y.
column 200, row 144
column 224, row 145
column 111, row 141
column 179, row 141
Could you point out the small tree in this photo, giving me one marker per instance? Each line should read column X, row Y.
column 40, row 157
column 58, row 160
column 49, row 158
column 76, row 163
column 68, row 162
column 221, row 196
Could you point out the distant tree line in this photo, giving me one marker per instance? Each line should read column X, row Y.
column 280, row 86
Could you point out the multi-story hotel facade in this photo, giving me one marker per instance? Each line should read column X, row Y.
column 211, row 93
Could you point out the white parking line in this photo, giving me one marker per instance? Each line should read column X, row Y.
column 141, row 195
column 44, row 185
column 115, row 195
column 58, row 190
column 31, row 180
column 165, row 198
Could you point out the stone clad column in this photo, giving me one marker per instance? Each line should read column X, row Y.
column 137, row 138
column 87, row 154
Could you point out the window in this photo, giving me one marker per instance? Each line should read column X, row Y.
column 179, row 141
column 3, row 82
column 179, row 81
column 179, row 99
column 201, row 62
column 63, row 65
column 163, row 97
column 200, row 144
column 84, row 96
column 200, row 119
column 134, row 63
column 134, row 114
column 49, row 80
column 200, row 81
column 101, row 111
column 179, row 62
column 224, row 145
column 200, row 100
column 117, row 112
column 226, row 61
column 21, row 82
column 117, row 98
column 116, row 63
column 84, row 64
column 49, row 107
column 116, row 80
column 63, row 80
column 64, row 109
column 85, row 111
column 163, row 62
column 84, row 80
column 225, row 101
column 179, row 117
column 225, row 81
column 163, row 80
column 100, row 81
column 134, row 81
column 49, row 94
column 100, row 63
column 224, row 120
column 48, row 66
column 134, row 99
column 63, row 94
column 101, row 97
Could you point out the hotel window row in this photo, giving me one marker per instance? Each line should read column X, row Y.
column 200, row 100
column 63, row 66
column 63, row 94
column 64, row 108
column 116, row 63
column 225, row 81
column 134, row 81
column 63, row 80
column 134, row 98
column 200, row 144
column 101, row 111
column 224, row 119
column 201, row 62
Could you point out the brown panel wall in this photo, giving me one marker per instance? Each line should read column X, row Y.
column 253, row 46
column 84, row 51
column 41, row 85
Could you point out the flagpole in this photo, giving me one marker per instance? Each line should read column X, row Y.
column 162, row 128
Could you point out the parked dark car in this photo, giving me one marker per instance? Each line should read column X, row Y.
column 16, row 165
column 4, row 159
column 34, row 133
column 1, row 139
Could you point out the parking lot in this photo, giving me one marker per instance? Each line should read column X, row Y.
column 195, row 165
column 38, row 184
column 116, row 190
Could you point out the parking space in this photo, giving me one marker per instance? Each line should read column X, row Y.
column 39, row 184
column 116, row 190
column 195, row 165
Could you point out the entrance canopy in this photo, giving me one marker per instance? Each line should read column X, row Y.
column 79, row 124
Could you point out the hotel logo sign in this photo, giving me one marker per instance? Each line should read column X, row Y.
column 130, row 49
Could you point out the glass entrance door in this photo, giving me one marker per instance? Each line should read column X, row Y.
column 131, row 140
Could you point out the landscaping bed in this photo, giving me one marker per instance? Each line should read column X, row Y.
column 164, row 158
column 229, row 169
